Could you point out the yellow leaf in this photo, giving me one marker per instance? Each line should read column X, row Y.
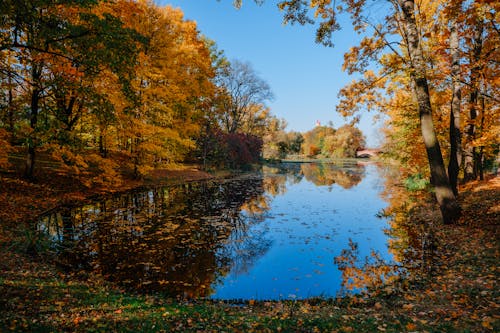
column 486, row 323
column 408, row 306
column 411, row 326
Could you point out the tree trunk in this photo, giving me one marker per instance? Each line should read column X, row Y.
column 446, row 199
column 455, row 134
column 470, row 152
column 33, row 118
column 480, row 154
column 10, row 110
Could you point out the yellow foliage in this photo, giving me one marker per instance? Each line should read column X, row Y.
column 174, row 71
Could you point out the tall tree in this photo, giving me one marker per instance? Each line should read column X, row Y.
column 48, row 37
column 401, row 22
column 444, row 193
column 244, row 92
column 172, row 78
column 456, row 99
column 480, row 85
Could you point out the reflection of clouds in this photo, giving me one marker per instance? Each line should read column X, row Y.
column 329, row 174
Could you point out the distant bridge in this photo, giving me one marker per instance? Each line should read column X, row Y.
column 368, row 152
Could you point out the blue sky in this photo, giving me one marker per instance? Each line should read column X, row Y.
column 305, row 77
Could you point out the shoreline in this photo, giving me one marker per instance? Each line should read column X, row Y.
column 36, row 295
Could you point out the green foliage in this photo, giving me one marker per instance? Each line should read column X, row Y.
column 295, row 141
column 416, row 182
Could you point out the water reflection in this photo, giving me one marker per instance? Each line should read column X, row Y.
column 173, row 239
column 412, row 229
column 271, row 235
column 346, row 176
column 411, row 242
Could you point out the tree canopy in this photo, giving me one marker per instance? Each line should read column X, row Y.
column 100, row 86
column 436, row 78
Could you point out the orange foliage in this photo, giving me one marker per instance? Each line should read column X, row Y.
column 5, row 149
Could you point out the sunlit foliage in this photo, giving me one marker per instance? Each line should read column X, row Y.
column 105, row 88
column 330, row 142
column 437, row 53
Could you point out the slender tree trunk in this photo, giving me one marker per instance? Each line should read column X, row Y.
column 30, row 157
column 102, row 145
column 446, row 199
column 455, row 133
column 10, row 110
column 480, row 154
column 470, row 152
column 33, row 118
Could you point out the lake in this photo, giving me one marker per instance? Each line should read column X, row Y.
column 268, row 235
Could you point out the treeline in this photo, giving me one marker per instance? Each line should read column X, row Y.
column 431, row 67
column 321, row 141
column 103, row 85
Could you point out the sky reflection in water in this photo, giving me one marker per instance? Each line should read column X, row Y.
column 308, row 225
column 268, row 236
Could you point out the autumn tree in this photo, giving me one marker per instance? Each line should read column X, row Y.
column 400, row 34
column 346, row 141
column 402, row 127
column 315, row 139
column 460, row 48
column 275, row 139
column 294, row 142
column 171, row 77
column 330, row 142
column 245, row 96
column 456, row 99
column 481, row 54
column 56, row 44
column 208, row 150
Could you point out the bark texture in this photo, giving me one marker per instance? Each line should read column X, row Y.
column 445, row 197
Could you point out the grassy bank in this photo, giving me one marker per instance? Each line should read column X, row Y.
column 461, row 294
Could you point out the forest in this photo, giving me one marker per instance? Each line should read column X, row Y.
column 96, row 87
column 98, row 97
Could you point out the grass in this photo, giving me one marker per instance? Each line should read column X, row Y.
column 54, row 304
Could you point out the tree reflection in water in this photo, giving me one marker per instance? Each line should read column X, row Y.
column 368, row 276
column 346, row 174
column 329, row 174
column 175, row 239
column 411, row 243
column 269, row 236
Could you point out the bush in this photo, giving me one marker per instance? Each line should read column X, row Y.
column 242, row 149
column 229, row 150
column 416, row 182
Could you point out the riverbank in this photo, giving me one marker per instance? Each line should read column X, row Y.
column 461, row 294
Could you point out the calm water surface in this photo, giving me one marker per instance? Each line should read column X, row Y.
column 268, row 235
